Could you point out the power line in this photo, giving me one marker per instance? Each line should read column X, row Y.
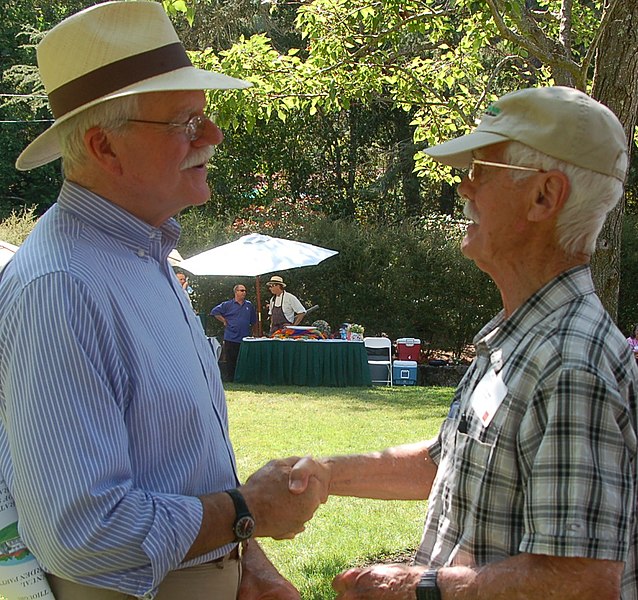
column 23, row 95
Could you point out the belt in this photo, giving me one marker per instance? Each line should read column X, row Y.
column 232, row 555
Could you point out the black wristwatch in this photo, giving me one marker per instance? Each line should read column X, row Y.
column 244, row 524
column 427, row 589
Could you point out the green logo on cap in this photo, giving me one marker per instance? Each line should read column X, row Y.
column 493, row 110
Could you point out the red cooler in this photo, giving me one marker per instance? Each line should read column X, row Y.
column 408, row 348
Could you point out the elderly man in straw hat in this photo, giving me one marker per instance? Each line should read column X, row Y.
column 532, row 478
column 125, row 479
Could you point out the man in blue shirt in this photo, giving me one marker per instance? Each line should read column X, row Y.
column 238, row 316
column 125, row 479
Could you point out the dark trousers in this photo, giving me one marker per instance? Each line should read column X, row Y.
column 230, row 354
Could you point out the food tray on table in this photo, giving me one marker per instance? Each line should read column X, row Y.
column 298, row 332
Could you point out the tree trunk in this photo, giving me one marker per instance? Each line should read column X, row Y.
column 616, row 85
column 404, row 136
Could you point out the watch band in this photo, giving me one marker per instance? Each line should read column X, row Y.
column 427, row 589
column 244, row 524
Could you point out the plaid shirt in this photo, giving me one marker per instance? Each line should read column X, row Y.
column 554, row 471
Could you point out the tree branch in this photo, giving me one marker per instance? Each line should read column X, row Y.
column 381, row 37
column 538, row 44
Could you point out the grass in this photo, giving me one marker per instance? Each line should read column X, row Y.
column 269, row 422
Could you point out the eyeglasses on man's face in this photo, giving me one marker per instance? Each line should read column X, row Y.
column 473, row 173
column 241, row 291
column 193, row 128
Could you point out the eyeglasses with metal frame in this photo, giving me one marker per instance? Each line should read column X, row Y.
column 193, row 128
column 472, row 171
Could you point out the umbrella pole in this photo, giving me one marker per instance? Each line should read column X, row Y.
column 259, row 325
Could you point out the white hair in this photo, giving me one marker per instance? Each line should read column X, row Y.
column 111, row 115
column 591, row 197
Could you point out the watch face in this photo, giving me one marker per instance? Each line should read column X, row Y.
column 244, row 527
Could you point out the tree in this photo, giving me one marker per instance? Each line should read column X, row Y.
column 616, row 85
column 446, row 61
column 24, row 112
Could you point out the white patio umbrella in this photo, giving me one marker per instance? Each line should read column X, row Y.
column 254, row 255
column 174, row 258
column 7, row 251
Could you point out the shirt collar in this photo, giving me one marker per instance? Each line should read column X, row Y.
column 117, row 223
column 500, row 337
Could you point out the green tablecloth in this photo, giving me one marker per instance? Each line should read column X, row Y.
column 303, row 362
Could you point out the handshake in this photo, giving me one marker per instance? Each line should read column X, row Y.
column 284, row 494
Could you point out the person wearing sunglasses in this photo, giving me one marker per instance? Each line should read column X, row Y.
column 239, row 318
column 283, row 307
column 531, row 481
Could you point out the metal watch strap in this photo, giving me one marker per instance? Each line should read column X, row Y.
column 427, row 589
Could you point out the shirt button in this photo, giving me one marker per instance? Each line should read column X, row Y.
column 141, row 253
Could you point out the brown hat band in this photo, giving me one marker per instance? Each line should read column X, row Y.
column 115, row 76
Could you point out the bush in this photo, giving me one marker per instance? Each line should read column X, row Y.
column 405, row 280
column 18, row 225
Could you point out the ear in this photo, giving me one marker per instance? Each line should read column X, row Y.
column 551, row 195
column 99, row 147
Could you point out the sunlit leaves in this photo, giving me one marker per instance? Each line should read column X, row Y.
column 173, row 7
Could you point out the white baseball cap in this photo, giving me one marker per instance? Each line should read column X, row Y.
column 559, row 121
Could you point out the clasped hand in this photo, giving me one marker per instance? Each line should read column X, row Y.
column 282, row 501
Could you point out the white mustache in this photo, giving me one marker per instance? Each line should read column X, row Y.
column 199, row 157
column 469, row 213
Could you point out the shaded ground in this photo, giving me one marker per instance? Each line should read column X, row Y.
column 403, row 557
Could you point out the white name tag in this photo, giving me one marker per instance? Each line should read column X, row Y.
column 487, row 396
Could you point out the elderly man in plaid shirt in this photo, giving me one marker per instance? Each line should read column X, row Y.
column 532, row 478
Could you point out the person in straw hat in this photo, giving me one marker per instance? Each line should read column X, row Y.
column 283, row 308
column 532, row 478
column 124, row 478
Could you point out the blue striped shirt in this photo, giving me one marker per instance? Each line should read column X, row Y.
column 112, row 414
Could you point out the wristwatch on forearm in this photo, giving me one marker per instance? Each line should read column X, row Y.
column 244, row 524
column 427, row 589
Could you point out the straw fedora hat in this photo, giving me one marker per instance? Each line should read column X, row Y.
column 108, row 51
column 276, row 280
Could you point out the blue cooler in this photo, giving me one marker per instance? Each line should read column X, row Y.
column 404, row 372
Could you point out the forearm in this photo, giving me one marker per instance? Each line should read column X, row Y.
column 400, row 473
column 521, row 577
column 216, row 528
column 277, row 512
column 221, row 319
column 260, row 579
column 533, row 576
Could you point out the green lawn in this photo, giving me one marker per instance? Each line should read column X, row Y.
column 271, row 422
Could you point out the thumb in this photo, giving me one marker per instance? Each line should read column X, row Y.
column 299, row 476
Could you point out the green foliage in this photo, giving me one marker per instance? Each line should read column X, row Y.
column 405, row 280
column 24, row 112
column 18, row 225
